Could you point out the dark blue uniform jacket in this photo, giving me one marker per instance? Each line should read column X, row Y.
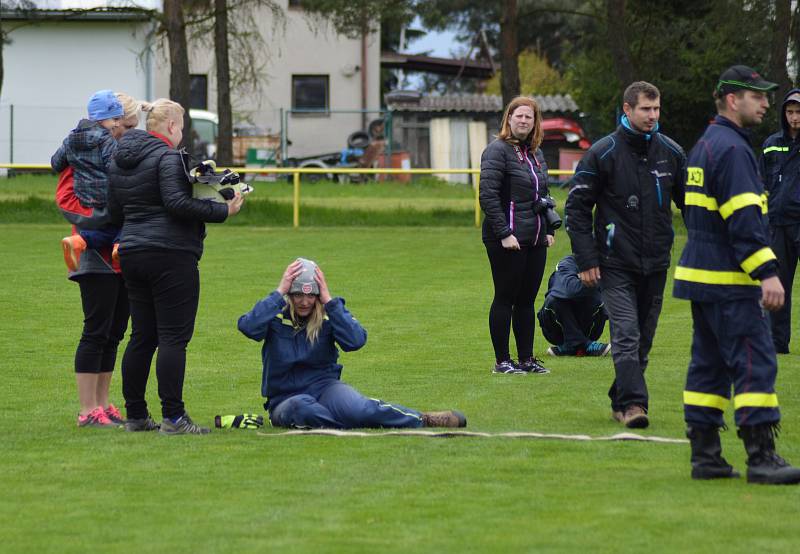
column 727, row 251
column 780, row 168
column 291, row 363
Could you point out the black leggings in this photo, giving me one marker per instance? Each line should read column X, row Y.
column 105, row 319
column 517, row 275
column 164, row 289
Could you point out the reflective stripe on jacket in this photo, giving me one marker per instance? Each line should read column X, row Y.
column 727, row 250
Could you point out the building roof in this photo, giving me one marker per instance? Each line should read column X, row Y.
column 441, row 66
column 92, row 14
column 417, row 102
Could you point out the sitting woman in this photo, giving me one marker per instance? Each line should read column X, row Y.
column 301, row 379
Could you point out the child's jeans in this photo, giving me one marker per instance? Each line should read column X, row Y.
column 105, row 237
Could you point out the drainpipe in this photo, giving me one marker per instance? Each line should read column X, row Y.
column 364, row 78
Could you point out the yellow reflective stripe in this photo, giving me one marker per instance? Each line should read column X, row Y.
column 710, row 277
column 701, row 200
column 755, row 400
column 755, row 260
column 764, row 203
column 694, row 177
column 705, row 400
column 738, row 202
column 776, row 149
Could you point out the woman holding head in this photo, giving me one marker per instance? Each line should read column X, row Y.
column 163, row 228
column 514, row 197
column 301, row 324
column 103, row 296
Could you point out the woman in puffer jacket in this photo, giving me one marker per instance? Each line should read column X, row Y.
column 163, row 228
column 514, row 197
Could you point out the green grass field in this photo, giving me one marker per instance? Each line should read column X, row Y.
column 423, row 294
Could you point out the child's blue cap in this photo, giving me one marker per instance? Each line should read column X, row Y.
column 104, row 105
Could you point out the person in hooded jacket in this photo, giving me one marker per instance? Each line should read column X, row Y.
column 514, row 197
column 163, row 228
column 301, row 325
column 619, row 220
column 104, row 299
column 780, row 169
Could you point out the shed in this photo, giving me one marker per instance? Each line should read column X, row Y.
column 451, row 131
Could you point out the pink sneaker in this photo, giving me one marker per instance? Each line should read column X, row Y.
column 95, row 418
column 113, row 414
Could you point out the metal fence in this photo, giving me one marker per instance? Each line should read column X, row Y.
column 297, row 172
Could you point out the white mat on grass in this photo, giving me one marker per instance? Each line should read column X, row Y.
column 452, row 434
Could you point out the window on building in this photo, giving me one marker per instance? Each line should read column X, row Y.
column 310, row 92
column 198, row 92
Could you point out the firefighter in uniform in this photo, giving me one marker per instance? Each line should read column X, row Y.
column 730, row 274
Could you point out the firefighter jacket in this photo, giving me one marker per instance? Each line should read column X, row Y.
column 629, row 179
column 727, row 251
column 780, row 169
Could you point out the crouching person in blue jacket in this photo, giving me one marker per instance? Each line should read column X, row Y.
column 301, row 324
column 573, row 316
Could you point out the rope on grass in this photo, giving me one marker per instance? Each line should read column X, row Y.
column 454, row 434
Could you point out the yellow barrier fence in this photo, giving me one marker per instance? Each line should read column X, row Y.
column 297, row 172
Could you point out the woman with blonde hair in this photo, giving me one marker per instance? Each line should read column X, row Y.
column 515, row 199
column 163, row 228
column 301, row 324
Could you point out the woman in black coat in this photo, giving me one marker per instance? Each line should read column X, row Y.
column 515, row 198
column 163, row 228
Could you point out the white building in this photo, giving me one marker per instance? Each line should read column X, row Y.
column 53, row 66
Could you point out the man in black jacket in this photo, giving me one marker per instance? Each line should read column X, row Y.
column 780, row 169
column 629, row 178
column 163, row 229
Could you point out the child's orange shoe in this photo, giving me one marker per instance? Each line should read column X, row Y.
column 73, row 247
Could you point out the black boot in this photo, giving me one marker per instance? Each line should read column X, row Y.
column 763, row 463
column 707, row 460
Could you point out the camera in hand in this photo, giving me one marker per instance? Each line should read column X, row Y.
column 546, row 206
column 218, row 186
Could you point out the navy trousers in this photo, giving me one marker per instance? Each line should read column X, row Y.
column 340, row 406
column 572, row 324
column 786, row 245
column 731, row 347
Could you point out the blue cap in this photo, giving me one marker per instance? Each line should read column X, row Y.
column 104, row 105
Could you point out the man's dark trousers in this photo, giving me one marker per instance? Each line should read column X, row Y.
column 786, row 245
column 633, row 302
column 571, row 323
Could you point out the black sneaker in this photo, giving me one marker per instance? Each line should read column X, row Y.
column 532, row 365
column 596, row 348
column 561, row 351
column 508, row 367
column 184, row 426
column 144, row 424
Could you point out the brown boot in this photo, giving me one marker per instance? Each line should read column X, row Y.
column 635, row 417
column 618, row 416
column 450, row 418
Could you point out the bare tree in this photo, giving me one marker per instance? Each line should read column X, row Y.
column 224, row 108
column 179, row 79
column 509, row 52
column 780, row 46
column 618, row 42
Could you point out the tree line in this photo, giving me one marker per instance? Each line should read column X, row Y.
column 590, row 49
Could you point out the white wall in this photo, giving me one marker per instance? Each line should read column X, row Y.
column 296, row 49
column 51, row 71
